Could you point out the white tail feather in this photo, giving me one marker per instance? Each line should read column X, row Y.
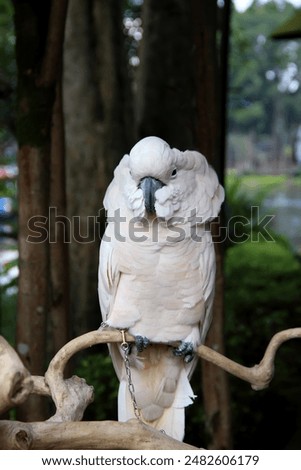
column 159, row 413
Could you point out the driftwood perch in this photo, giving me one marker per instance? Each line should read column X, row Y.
column 16, row 381
column 260, row 375
column 110, row 435
column 72, row 396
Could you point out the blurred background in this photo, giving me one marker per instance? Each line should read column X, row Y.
column 221, row 77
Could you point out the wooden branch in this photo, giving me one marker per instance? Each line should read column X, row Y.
column 110, row 435
column 16, row 382
column 72, row 398
column 106, row 335
column 260, row 375
column 73, row 395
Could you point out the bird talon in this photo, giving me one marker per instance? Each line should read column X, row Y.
column 188, row 358
column 184, row 349
column 141, row 342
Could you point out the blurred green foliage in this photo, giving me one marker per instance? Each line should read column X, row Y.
column 8, row 187
column 8, row 308
column 255, row 185
column 263, row 284
column 262, row 297
column 7, row 39
column 8, row 73
column 263, row 73
column 244, row 206
column 97, row 369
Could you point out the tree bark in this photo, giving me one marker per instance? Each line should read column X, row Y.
column 165, row 88
column 210, row 132
column 16, row 382
column 39, row 31
column 59, row 231
column 98, row 133
column 180, row 99
column 101, row 435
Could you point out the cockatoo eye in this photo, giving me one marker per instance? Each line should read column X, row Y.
column 174, row 173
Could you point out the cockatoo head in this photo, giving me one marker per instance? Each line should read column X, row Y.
column 156, row 180
column 152, row 166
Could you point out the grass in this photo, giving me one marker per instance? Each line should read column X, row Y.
column 263, row 182
column 257, row 185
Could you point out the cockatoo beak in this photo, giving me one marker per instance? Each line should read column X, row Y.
column 149, row 186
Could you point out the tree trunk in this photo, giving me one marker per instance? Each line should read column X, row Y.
column 98, row 126
column 210, row 123
column 165, row 92
column 59, row 231
column 39, row 35
column 179, row 99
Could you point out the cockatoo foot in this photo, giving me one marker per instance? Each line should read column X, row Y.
column 184, row 349
column 141, row 342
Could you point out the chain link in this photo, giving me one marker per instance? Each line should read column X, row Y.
column 125, row 348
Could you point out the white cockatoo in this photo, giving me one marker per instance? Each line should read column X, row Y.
column 157, row 275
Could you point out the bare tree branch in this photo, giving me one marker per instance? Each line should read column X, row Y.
column 72, row 396
column 111, row 435
column 16, row 382
column 259, row 375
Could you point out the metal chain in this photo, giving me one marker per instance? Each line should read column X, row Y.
column 125, row 348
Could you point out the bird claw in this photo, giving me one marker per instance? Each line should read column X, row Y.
column 184, row 349
column 141, row 342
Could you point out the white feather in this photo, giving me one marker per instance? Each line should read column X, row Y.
column 158, row 282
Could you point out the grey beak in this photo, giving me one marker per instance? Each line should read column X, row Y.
column 149, row 186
